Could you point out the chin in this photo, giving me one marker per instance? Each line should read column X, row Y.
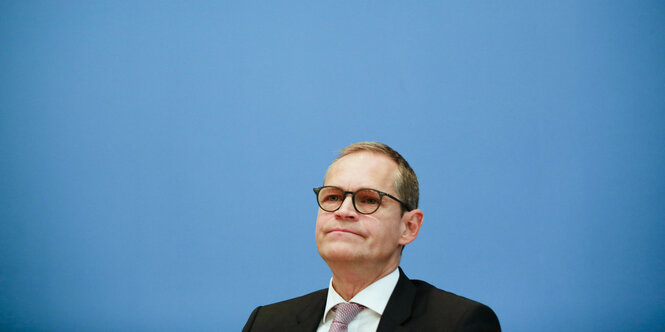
column 338, row 252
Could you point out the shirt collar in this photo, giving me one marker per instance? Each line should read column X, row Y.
column 374, row 296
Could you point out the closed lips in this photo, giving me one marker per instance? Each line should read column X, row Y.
column 344, row 231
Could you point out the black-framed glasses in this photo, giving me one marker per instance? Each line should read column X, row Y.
column 365, row 200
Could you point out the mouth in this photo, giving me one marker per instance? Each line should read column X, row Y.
column 341, row 231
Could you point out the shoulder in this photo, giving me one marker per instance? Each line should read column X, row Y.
column 284, row 315
column 433, row 295
column 442, row 308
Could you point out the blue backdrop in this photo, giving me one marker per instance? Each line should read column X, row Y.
column 158, row 158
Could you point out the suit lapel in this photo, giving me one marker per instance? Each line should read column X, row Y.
column 310, row 315
column 398, row 309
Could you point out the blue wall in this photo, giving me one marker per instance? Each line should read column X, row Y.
column 158, row 159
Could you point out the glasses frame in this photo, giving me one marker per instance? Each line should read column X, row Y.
column 317, row 190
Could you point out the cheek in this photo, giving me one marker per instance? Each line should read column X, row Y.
column 320, row 221
column 386, row 232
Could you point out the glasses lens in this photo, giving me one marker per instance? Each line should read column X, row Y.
column 330, row 199
column 367, row 201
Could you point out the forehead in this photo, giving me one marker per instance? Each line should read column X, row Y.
column 363, row 169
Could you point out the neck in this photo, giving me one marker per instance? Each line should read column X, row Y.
column 349, row 280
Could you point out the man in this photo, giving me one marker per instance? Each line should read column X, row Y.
column 367, row 214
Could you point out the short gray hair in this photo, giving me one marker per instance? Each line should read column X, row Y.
column 405, row 182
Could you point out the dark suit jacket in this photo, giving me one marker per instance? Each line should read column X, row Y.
column 413, row 306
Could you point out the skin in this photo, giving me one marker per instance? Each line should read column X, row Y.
column 361, row 249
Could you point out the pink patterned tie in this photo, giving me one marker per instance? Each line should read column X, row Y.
column 344, row 313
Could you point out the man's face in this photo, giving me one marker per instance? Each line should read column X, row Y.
column 348, row 236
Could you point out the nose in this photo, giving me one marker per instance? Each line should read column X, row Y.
column 347, row 211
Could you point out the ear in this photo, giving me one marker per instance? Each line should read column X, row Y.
column 411, row 222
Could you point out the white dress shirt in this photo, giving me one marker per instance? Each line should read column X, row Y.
column 375, row 298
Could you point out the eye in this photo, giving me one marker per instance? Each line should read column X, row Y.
column 332, row 198
column 368, row 197
column 370, row 200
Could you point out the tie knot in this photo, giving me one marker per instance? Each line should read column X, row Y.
column 345, row 312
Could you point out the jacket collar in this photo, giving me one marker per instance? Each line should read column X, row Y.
column 396, row 313
column 399, row 305
column 309, row 318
